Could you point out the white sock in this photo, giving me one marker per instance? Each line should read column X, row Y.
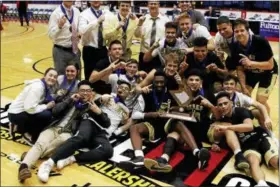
column 262, row 183
column 51, row 162
column 165, row 156
column 139, row 153
column 72, row 158
column 195, row 151
column 237, row 151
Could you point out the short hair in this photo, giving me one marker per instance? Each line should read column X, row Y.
column 48, row 70
column 241, row 21
column 194, row 72
column 200, row 42
column 160, row 73
column 132, row 61
column 124, row 82
column 231, row 77
column 171, row 25
column 84, row 82
column 127, row 2
column 172, row 57
column 222, row 94
column 115, row 42
column 223, row 19
column 183, row 16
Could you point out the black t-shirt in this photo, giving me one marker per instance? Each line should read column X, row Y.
column 100, row 86
column 259, row 51
column 208, row 77
column 152, row 98
column 239, row 114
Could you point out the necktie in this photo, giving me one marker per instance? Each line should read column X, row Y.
column 100, row 28
column 124, row 36
column 74, row 38
column 154, row 31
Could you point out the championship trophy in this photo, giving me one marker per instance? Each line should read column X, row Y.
column 183, row 97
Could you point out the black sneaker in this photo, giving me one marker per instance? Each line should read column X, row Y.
column 27, row 139
column 136, row 161
column 159, row 165
column 241, row 163
column 203, row 157
column 23, row 173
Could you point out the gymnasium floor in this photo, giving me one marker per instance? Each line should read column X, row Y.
column 25, row 53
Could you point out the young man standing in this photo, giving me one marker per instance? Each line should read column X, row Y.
column 121, row 27
column 150, row 29
column 90, row 27
column 253, row 58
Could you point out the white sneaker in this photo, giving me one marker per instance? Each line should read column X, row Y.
column 64, row 162
column 44, row 171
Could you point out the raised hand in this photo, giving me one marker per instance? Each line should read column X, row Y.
column 61, row 22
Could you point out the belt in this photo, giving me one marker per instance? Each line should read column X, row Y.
column 63, row 48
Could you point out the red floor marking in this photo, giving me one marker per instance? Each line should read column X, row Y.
column 198, row 177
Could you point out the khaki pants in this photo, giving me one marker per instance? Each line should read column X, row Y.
column 47, row 142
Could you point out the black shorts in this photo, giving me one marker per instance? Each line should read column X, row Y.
column 156, row 128
column 266, row 81
column 262, row 147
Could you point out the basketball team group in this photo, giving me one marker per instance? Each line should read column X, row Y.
column 181, row 70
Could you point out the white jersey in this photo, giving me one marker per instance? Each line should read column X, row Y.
column 199, row 31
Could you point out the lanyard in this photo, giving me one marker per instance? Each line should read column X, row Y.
column 158, row 102
column 64, row 84
column 124, row 28
column 94, row 12
column 64, row 12
column 48, row 96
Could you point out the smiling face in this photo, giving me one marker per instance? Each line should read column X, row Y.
column 225, row 29
column 224, row 105
column 71, row 72
column 124, row 8
column 159, row 83
column 200, row 53
column 51, row 77
column 185, row 24
column 86, row 93
column 95, row 4
column 194, row 82
column 229, row 86
column 153, row 7
column 131, row 69
column 241, row 34
column 170, row 34
column 123, row 91
column 171, row 68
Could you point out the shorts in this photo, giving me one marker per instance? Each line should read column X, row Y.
column 265, row 148
column 266, row 82
column 155, row 128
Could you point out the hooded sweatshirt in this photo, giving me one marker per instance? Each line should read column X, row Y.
column 30, row 99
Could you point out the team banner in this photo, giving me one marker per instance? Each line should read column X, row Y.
column 269, row 29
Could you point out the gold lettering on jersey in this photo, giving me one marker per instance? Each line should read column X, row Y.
column 195, row 109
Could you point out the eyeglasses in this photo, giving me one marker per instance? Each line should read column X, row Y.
column 124, row 88
column 85, row 90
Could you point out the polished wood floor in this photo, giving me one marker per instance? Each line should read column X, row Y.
column 25, row 53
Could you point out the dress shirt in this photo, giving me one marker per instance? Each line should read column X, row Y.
column 88, row 27
column 146, row 29
column 62, row 36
